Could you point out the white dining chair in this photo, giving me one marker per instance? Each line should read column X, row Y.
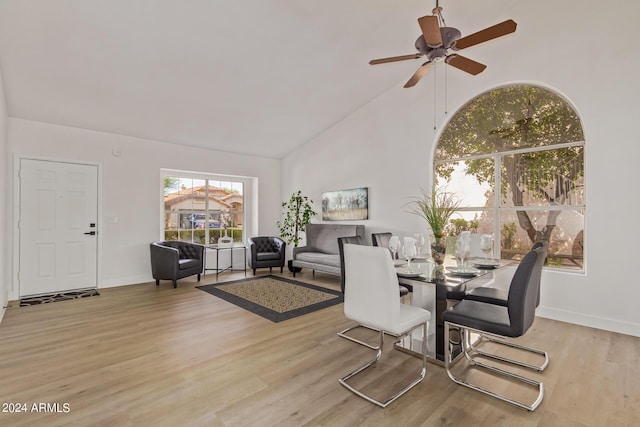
column 372, row 299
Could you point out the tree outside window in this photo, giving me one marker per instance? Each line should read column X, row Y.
column 515, row 157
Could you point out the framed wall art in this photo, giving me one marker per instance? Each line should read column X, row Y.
column 343, row 205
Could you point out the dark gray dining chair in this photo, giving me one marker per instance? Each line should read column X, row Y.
column 381, row 239
column 355, row 240
column 497, row 296
column 498, row 322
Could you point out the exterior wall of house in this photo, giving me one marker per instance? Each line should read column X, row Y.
column 179, row 207
column 388, row 144
column 189, row 205
column 4, row 176
column 131, row 191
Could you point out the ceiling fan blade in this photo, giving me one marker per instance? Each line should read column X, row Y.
column 490, row 33
column 430, row 30
column 465, row 64
column 394, row 59
column 418, row 74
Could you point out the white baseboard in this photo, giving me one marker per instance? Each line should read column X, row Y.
column 123, row 281
column 4, row 303
column 607, row 324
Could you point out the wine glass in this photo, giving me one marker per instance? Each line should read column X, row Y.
column 394, row 246
column 462, row 250
column 409, row 250
column 419, row 243
column 486, row 244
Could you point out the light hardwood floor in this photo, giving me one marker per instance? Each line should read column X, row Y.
column 145, row 355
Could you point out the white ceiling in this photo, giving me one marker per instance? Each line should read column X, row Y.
column 255, row 76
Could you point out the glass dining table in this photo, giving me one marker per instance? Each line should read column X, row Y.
column 437, row 287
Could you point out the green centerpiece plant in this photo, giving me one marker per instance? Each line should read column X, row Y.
column 436, row 207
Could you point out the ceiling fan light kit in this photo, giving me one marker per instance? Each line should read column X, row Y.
column 438, row 43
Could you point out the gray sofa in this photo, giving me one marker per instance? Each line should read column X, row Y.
column 321, row 250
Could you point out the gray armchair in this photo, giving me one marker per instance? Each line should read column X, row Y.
column 266, row 252
column 173, row 260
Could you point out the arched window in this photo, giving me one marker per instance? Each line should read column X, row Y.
column 514, row 156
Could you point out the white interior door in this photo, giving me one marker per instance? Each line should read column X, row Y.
column 57, row 227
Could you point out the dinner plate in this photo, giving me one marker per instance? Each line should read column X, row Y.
column 488, row 264
column 466, row 271
column 404, row 272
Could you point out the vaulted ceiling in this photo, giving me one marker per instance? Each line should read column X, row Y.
column 254, row 76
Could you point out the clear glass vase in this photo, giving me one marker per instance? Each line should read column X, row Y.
column 438, row 248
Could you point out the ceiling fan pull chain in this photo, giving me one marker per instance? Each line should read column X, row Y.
column 435, row 90
column 446, row 92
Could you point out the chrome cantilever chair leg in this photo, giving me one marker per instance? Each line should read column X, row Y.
column 343, row 334
column 486, row 337
column 385, row 403
column 464, row 337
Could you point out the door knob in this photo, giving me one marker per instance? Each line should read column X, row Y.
column 91, row 233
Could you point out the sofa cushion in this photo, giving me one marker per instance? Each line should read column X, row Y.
column 320, row 258
column 264, row 256
column 324, row 237
column 188, row 263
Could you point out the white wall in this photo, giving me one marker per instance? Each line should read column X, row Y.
column 131, row 187
column 388, row 144
column 4, row 175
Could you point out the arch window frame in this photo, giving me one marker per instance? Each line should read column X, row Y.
column 497, row 209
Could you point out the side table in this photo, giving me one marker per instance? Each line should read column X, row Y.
column 229, row 248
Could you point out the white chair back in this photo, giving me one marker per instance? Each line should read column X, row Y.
column 371, row 294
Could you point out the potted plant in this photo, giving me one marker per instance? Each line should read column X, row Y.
column 436, row 207
column 297, row 213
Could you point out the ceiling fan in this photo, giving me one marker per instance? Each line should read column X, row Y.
column 437, row 41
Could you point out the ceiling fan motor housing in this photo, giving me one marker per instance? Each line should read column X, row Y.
column 421, row 45
column 449, row 36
